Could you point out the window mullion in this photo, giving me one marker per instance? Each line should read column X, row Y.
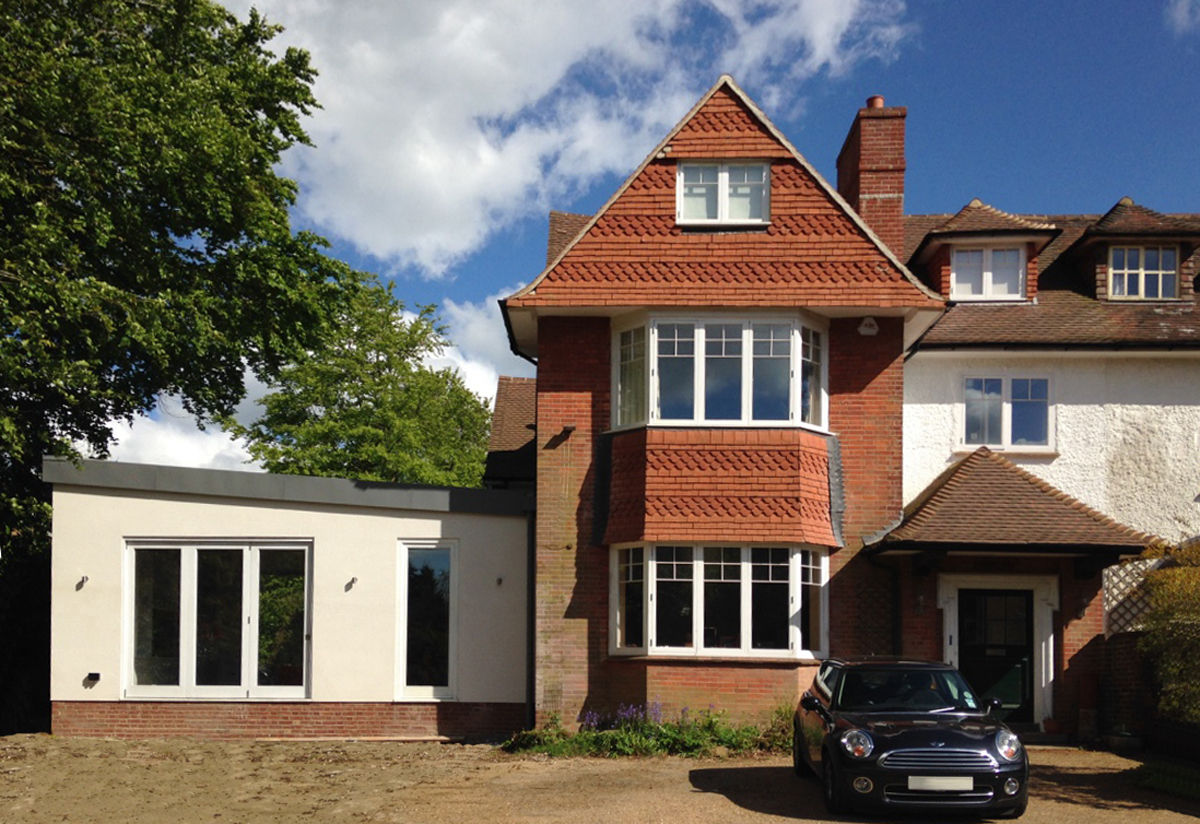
column 1006, row 411
column 650, row 597
column 187, row 618
column 747, row 372
column 697, row 599
column 699, row 355
column 250, row 574
column 747, row 591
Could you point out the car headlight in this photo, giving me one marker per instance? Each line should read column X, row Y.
column 857, row 743
column 1008, row 745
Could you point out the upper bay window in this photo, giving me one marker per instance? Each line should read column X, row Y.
column 724, row 371
column 1143, row 272
column 718, row 600
column 987, row 274
column 722, row 193
column 217, row 620
column 1007, row 413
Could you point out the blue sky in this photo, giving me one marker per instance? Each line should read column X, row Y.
column 449, row 129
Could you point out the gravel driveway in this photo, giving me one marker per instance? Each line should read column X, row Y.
column 44, row 779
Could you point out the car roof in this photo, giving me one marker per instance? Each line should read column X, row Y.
column 868, row 662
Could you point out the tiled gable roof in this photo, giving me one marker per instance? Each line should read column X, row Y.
column 511, row 443
column 978, row 216
column 987, row 499
column 564, row 227
column 633, row 253
column 1129, row 218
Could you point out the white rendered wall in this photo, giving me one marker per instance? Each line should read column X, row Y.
column 354, row 637
column 1126, row 430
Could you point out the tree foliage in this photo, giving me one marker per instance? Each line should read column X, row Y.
column 367, row 407
column 1172, row 633
column 145, row 243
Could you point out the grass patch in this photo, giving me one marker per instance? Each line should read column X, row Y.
column 1177, row 778
column 641, row 730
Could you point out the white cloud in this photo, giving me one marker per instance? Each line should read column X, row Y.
column 444, row 122
column 171, row 437
column 480, row 349
column 1183, row 16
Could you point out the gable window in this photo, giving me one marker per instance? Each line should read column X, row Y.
column 714, row 193
column 987, row 274
column 1006, row 412
column 726, row 371
column 218, row 620
column 1142, row 272
column 427, row 609
column 718, row 600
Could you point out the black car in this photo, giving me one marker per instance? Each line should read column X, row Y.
column 891, row 735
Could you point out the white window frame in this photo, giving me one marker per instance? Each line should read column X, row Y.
column 1006, row 378
column 1141, row 271
column 698, row 650
column 988, row 288
column 652, row 393
column 187, row 688
column 425, row 693
column 722, row 218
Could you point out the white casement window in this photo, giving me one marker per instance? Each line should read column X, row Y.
column 427, row 618
column 1008, row 412
column 718, row 600
column 987, row 274
column 217, row 619
column 721, row 371
column 716, row 193
column 1143, row 272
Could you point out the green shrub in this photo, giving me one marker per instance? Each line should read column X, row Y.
column 1172, row 634
column 641, row 730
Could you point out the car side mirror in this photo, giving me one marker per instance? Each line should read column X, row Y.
column 993, row 704
column 810, row 702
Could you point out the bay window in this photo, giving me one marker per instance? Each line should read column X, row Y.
column 718, row 600
column 218, row 620
column 719, row 370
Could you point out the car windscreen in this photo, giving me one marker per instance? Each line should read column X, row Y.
column 896, row 689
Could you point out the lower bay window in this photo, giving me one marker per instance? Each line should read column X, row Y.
column 718, row 600
column 217, row 620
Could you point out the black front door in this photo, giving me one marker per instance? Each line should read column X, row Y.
column 995, row 647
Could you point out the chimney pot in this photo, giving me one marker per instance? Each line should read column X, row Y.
column 875, row 101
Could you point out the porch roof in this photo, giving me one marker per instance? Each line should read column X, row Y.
column 985, row 501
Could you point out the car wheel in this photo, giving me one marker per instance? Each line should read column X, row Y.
column 799, row 766
column 835, row 793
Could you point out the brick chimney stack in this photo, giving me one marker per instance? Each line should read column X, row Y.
column 870, row 170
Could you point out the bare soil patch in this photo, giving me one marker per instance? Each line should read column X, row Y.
column 48, row 779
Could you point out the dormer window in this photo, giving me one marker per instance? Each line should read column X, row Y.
column 988, row 274
column 1143, row 272
column 722, row 193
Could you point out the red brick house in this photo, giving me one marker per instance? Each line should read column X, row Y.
column 719, row 406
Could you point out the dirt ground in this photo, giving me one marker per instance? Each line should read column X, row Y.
column 47, row 779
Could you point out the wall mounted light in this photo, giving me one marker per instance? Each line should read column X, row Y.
column 81, row 582
column 868, row 327
column 350, row 584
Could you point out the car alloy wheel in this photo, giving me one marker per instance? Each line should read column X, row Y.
column 835, row 794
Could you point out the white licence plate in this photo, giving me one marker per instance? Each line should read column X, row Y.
column 941, row 782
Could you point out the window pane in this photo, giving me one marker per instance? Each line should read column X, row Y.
column 428, row 638
column 1151, row 285
column 769, row 609
column 1030, row 411
column 281, row 626
column 772, row 371
column 1151, row 261
column 673, row 582
column 746, row 189
column 967, row 275
column 156, row 616
column 810, row 377
column 1006, row 273
column 700, row 192
column 811, row 592
column 631, row 377
column 723, row 372
column 984, row 410
column 1118, row 258
column 1168, row 260
column 676, row 374
column 219, row 617
column 722, row 597
column 631, row 598
column 1168, row 285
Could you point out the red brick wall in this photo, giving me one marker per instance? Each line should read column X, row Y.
column 572, row 574
column 871, row 172
column 274, row 719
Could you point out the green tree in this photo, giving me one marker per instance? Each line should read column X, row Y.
column 367, row 407
column 145, row 247
column 1172, row 633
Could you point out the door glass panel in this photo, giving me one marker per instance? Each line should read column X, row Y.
column 156, row 616
column 428, row 654
column 219, row 617
column 281, row 624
